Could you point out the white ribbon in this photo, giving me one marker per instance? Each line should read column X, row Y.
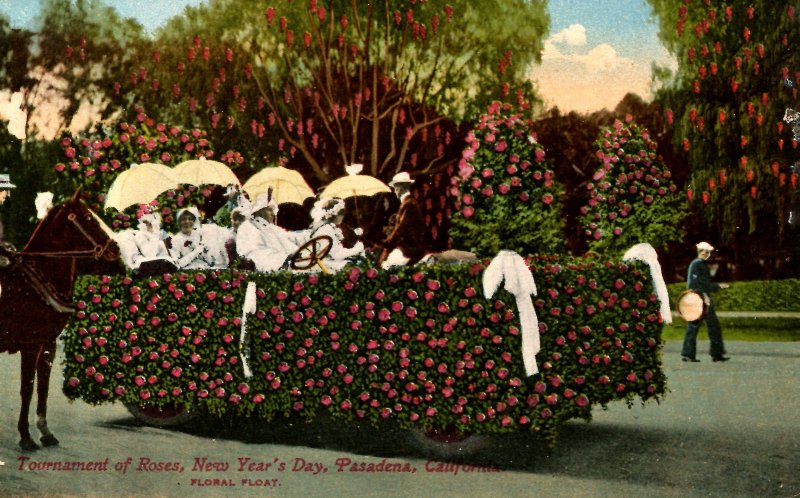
column 249, row 307
column 509, row 266
column 645, row 252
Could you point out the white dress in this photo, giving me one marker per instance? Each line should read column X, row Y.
column 338, row 256
column 267, row 245
column 188, row 251
column 138, row 246
column 214, row 238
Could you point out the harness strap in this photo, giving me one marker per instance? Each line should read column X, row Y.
column 46, row 291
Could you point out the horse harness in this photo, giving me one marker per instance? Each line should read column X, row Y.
column 45, row 290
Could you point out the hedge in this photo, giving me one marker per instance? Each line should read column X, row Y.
column 757, row 295
column 419, row 346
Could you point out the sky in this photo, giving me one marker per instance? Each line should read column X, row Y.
column 597, row 51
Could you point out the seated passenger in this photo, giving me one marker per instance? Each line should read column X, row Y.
column 214, row 238
column 187, row 247
column 238, row 216
column 263, row 242
column 143, row 250
column 327, row 216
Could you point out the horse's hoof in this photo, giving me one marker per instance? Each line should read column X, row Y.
column 28, row 444
column 49, row 440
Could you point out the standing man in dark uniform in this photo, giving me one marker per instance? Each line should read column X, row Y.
column 5, row 247
column 406, row 242
column 699, row 279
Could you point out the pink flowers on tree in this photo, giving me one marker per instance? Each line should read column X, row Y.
column 631, row 197
column 507, row 196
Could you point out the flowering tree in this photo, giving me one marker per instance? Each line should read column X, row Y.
column 632, row 197
column 507, row 196
column 738, row 72
column 329, row 83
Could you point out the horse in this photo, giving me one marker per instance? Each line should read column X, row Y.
column 36, row 298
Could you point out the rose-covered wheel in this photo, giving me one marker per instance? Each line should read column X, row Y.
column 311, row 253
column 448, row 441
column 168, row 415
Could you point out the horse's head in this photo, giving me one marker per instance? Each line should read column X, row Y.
column 72, row 229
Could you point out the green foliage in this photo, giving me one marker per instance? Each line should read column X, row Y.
column 738, row 73
column 757, row 295
column 419, row 346
column 508, row 196
column 632, row 198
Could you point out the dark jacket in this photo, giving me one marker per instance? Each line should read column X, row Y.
column 698, row 277
column 409, row 232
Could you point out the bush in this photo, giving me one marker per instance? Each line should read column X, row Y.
column 419, row 346
column 763, row 295
column 508, row 197
column 633, row 198
column 95, row 160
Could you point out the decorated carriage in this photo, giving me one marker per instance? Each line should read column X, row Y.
column 481, row 347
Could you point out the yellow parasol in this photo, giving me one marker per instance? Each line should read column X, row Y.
column 354, row 184
column 204, row 172
column 139, row 185
column 287, row 185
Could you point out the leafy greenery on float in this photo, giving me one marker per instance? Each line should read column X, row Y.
column 419, row 346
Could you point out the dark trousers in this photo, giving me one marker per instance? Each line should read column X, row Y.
column 717, row 348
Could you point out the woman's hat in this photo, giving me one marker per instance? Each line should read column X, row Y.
column 704, row 246
column 5, row 182
column 402, row 178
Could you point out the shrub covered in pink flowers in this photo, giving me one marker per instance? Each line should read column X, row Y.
column 417, row 346
column 632, row 197
column 93, row 161
column 506, row 193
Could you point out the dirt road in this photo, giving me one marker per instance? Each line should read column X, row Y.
column 724, row 430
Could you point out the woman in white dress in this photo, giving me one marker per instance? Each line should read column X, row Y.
column 260, row 240
column 187, row 247
column 143, row 250
column 327, row 216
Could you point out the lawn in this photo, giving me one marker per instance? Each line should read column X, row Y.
column 743, row 329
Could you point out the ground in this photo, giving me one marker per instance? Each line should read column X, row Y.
column 724, row 429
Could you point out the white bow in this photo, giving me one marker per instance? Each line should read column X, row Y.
column 645, row 252
column 509, row 266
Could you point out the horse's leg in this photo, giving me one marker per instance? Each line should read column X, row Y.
column 27, row 377
column 44, row 365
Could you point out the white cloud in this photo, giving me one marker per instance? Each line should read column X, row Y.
column 603, row 57
column 574, row 35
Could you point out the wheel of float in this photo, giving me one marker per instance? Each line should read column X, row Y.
column 311, row 253
column 168, row 415
column 448, row 442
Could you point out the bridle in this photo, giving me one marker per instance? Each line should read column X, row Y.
column 97, row 251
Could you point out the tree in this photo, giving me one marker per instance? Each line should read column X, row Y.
column 36, row 72
column 632, row 198
column 337, row 82
column 508, row 197
column 738, row 68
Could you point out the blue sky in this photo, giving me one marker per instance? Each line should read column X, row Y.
column 598, row 50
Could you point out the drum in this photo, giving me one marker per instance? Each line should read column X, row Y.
column 691, row 306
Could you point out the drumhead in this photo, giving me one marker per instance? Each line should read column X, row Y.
column 691, row 306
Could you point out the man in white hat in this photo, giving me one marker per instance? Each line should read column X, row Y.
column 406, row 241
column 699, row 280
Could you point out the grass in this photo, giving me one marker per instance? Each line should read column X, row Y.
column 743, row 329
